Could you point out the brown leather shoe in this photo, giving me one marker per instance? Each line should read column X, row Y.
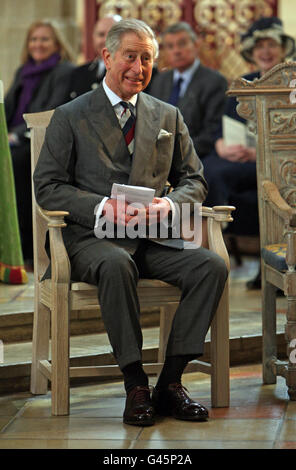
column 174, row 401
column 139, row 410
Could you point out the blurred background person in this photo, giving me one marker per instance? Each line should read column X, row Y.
column 198, row 91
column 39, row 84
column 86, row 77
column 231, row 169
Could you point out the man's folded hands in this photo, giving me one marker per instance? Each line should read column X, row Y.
column 120, row 212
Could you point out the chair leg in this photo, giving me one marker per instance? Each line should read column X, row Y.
column 40, row 346
column 167, row 314
column 60, row 351
column 269, row 347
column 220, row 387
column 290, row 331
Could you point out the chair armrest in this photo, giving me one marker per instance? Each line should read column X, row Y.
column 217, row 216
column 278, row 203
column 53, row 218
column 60, row 264
column 219, row 213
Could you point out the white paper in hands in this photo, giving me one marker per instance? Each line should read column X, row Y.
column 133, row 194
column 234, row 132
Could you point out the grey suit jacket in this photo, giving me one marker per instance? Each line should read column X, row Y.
column 84, row 152
column 202, row 106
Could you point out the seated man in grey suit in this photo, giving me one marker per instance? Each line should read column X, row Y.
column 199, row 92
column 84, row 152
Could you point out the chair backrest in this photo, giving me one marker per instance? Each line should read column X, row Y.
column 37, row 123
column 269, row 105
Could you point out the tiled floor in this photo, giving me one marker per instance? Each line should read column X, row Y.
column 259, row 416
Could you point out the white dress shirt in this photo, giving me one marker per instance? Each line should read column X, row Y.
column 186, row 76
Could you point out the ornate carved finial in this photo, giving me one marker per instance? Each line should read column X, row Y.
column 246, row 108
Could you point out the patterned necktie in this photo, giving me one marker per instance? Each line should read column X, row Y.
column 128, row 124
column 173, row 99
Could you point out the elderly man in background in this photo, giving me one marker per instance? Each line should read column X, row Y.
column 87, row 77
column 199, row 92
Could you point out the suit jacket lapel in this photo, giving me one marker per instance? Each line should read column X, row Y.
column 103, row 120
column 147, row 129
column 101, row 116
column 192, row 90
column 166, row 92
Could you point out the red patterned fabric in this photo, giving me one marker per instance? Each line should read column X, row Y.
column 220, row 25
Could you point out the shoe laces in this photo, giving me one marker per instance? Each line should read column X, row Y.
column 140, row 395
column 180, row 390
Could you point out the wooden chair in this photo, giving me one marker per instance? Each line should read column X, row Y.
column 269, row 105
column 56, row 297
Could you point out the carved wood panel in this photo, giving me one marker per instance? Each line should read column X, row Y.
column 268, row 103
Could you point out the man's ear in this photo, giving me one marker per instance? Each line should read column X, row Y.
column 106, row 58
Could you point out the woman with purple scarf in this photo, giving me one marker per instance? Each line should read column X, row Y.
column 40, row 84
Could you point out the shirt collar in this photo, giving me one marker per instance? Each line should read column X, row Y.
column 188, row 73
column 115, row 99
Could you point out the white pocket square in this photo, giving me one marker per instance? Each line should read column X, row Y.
column 163, row 133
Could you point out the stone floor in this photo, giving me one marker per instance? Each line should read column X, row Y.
column 259, row 417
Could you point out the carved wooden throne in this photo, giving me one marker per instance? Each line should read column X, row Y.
column 269, row 105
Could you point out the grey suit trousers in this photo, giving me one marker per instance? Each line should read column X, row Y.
column 199, row 273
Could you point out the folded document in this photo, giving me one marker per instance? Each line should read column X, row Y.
column 132, row 194
column 237, row 133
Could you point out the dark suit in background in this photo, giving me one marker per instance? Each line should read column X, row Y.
column 202, row 106
column 85, row 78
column 234, row 182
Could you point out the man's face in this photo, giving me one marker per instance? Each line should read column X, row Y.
column 101, row 30
column 180, row 50
column 129, row 70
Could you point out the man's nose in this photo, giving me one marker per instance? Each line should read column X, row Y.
column 176, row 49
column 137, row 65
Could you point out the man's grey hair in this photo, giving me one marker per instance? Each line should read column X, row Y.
column 131, row 25
column 180, row 27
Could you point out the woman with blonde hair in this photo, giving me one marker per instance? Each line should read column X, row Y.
column 39, row 84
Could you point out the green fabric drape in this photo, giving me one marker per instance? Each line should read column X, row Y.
column 11, row 258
